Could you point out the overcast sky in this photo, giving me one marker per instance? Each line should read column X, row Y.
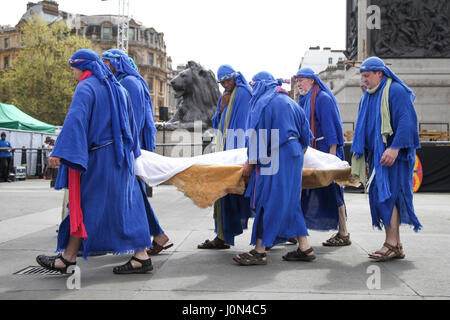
column 250, row 35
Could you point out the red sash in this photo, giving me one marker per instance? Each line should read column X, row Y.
column 312, row 120
column 77, row 228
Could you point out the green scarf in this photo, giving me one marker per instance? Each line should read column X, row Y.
column 221, row 137
column 359, row 165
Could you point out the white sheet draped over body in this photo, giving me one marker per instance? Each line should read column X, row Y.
column 155, row 169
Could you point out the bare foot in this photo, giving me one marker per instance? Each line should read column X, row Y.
column 161, row 239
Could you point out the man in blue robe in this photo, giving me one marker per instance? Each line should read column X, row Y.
column 231, row 213
column 323, row 208
column 95, row 152
column 386, row 137
column 125, row 71
column 275, row 159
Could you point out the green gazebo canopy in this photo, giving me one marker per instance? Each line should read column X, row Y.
column 12, row 118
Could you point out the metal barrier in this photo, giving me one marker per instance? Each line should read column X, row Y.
column 34, row 160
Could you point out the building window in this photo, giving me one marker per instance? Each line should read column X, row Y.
column 6, row 43
column 150, row 38
column 150, row 59
column 93, row 31
column 107, row 33
column 150, row 84
column 330, row 60
column 131, row 34
column 6, row 63
column 161, row 86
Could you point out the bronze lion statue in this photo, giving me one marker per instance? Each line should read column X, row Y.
column 197, row 92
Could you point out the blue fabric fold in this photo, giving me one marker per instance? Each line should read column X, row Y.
column 264, row 91
column 125, row 67
column 275, row 194
column 309, row 73
column 391, row 185
column 328, row 118
column 376, row 64
column 321, row 205
column 235, row 209
column 86, row 59
column 128, row 76
column 241, row 107
column 403, row 121
column 101, row 113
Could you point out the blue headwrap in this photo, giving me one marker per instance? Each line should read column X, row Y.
column 309, row 73
column 121, row 61
column 226, row 72
column 125, row 65
column 264, row 90
column 376, row 64
column 86, row 59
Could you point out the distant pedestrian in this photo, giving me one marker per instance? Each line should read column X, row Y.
column 5, row 157
column 47, row 146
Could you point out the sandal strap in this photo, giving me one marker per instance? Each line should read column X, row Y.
column 156, row 246
column 391, row 248
column 142, row 262
column 304, row 253
column 338, row 239
column 252, row 256
column 257, row 254
column 67, row 263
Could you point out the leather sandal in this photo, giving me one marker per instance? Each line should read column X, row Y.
column 214, row 244
column 48, row 262
column 393, row 252
column 298, row 255
column 157, row 248
column 251, row 258
column 338, row 241
column 127, row 268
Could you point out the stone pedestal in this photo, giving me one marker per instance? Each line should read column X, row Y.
column 184, row 143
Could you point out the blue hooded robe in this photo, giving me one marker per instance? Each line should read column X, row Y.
column 99, row 139
column 137, row 88
column 275, row 184
column 321, row 206
column 391, row 185
column 235, row 209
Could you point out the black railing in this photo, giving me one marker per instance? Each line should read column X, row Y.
column 35, row 159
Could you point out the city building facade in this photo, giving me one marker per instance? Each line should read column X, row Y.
column 145, row 45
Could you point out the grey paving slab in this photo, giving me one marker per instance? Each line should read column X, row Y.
column 185, row 273
column 29, row 196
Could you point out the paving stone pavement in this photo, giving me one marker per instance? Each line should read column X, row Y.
column 30, row 213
